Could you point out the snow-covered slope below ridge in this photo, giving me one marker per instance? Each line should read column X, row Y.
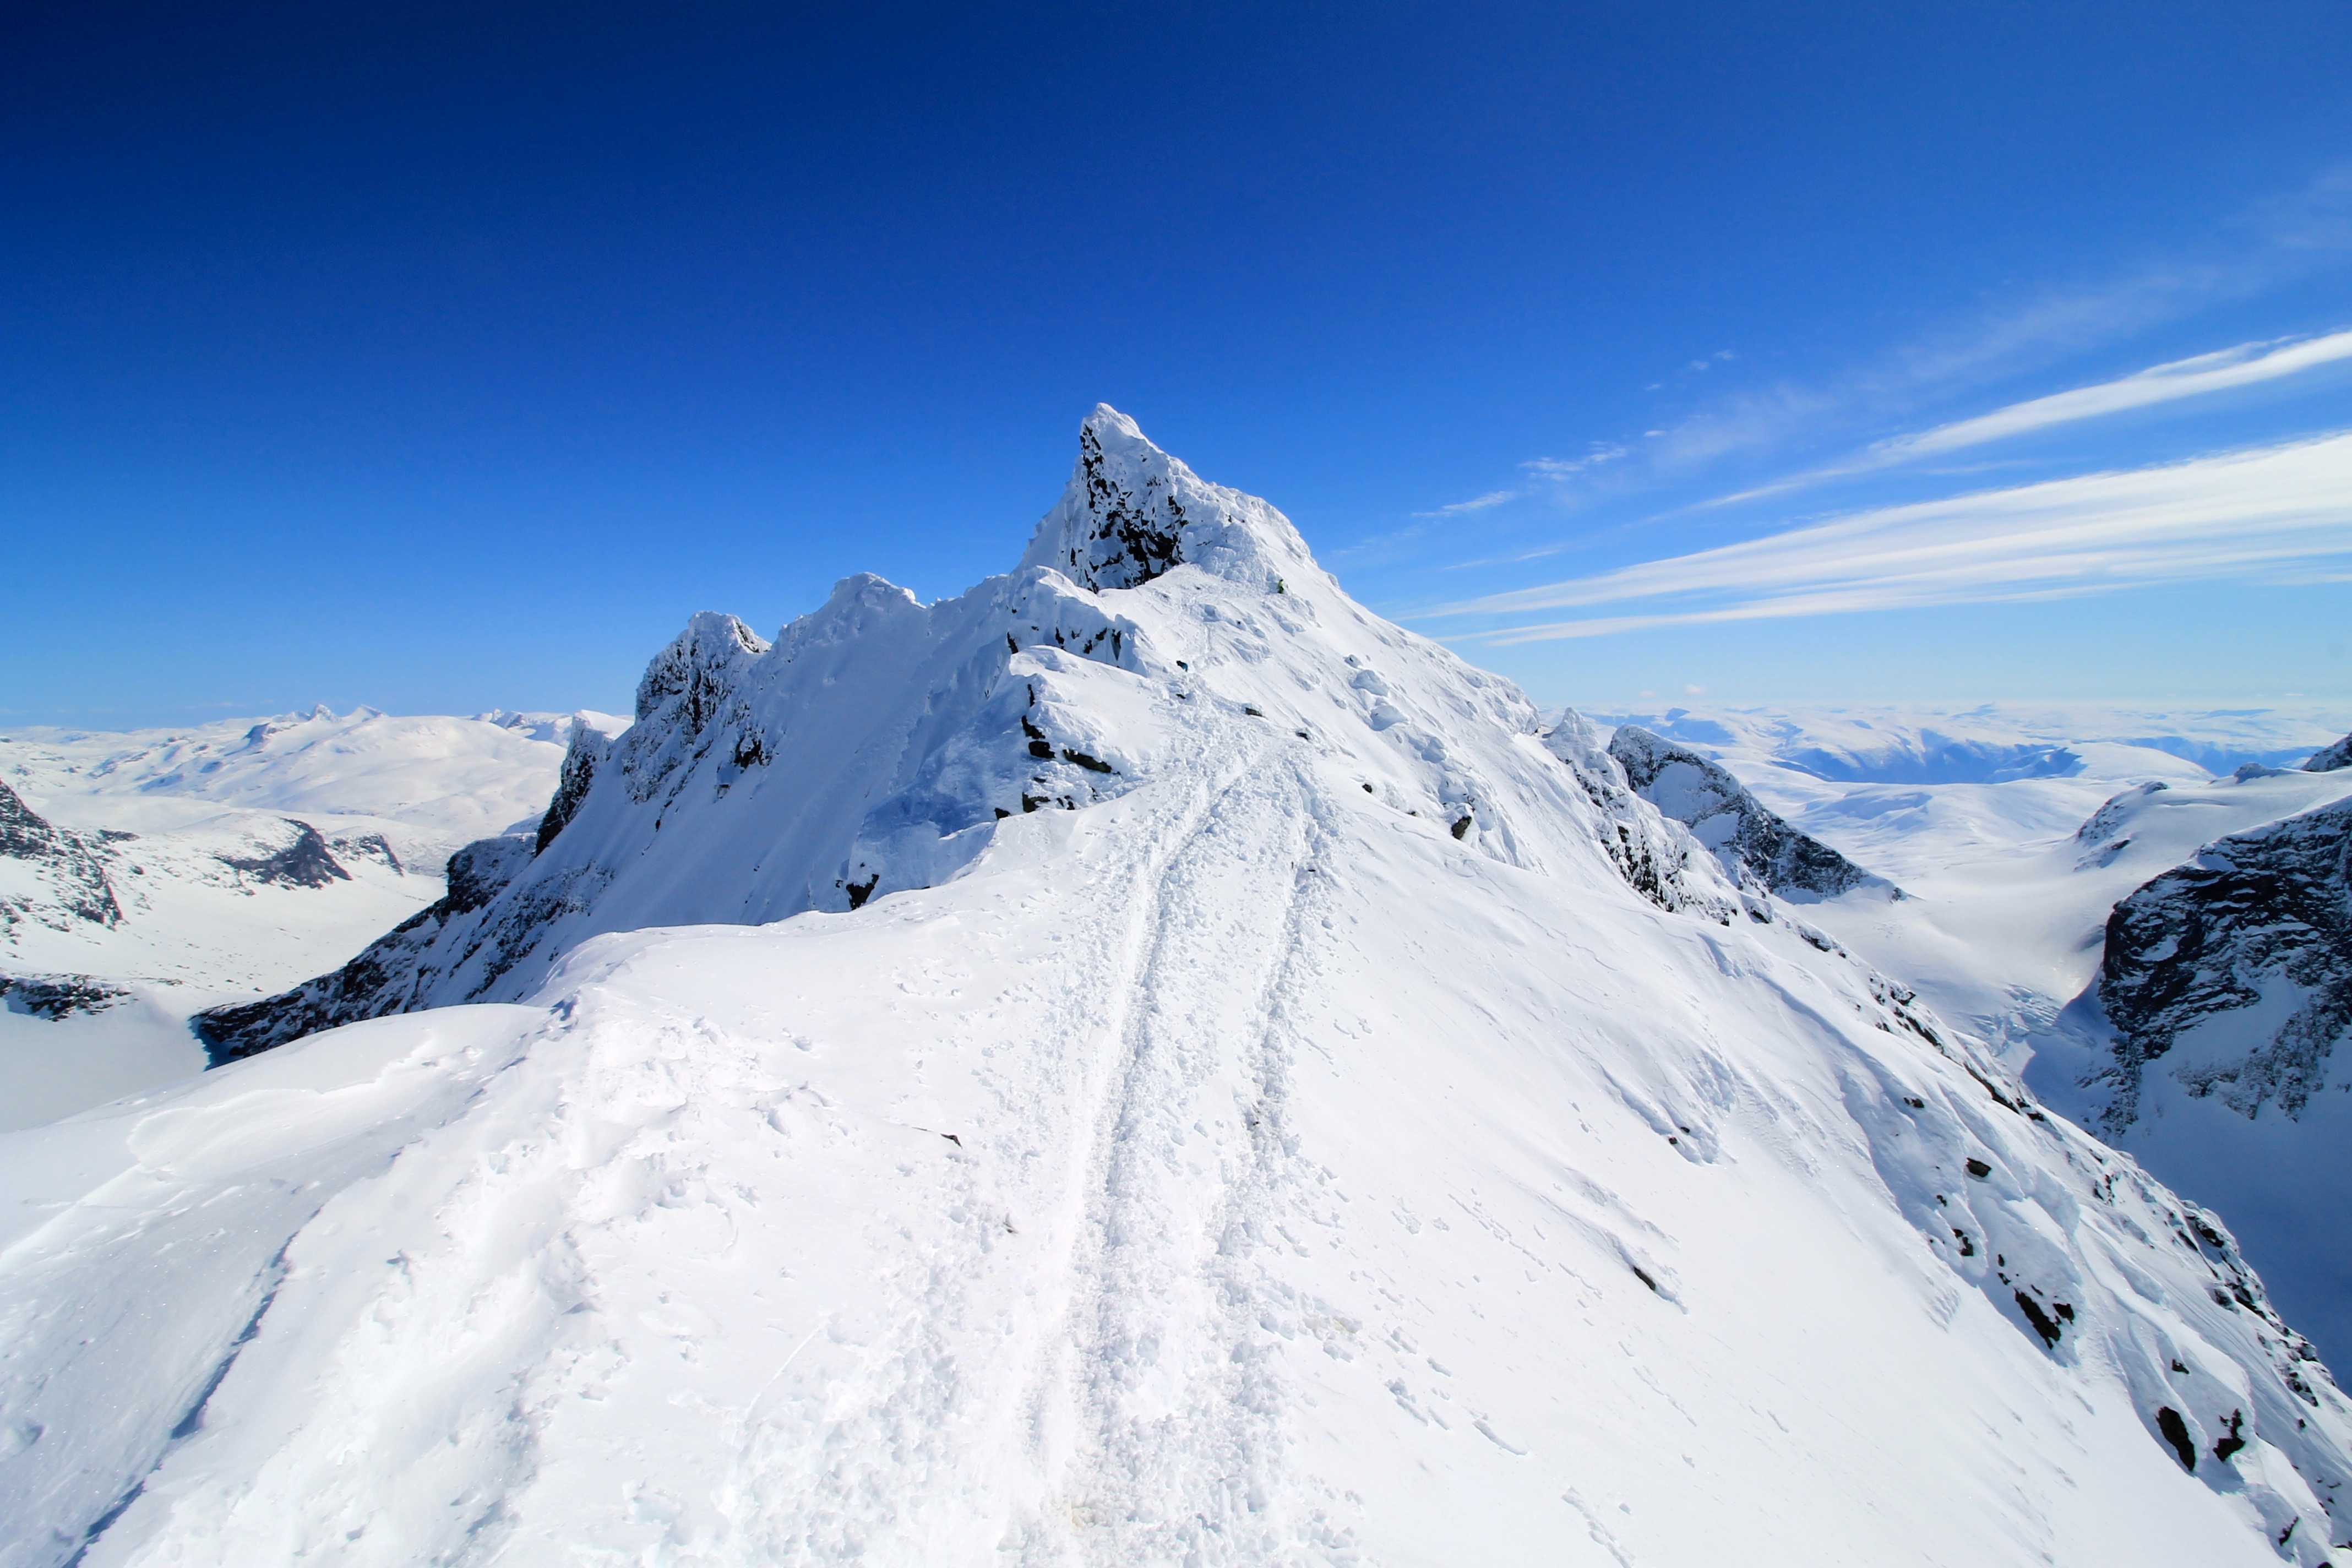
column 223, row 861
column 2006, row 932
column 1242, row 1168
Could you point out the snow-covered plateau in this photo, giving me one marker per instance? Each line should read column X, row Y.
column 1144, row 1062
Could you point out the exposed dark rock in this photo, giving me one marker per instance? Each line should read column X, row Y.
column 1652, row 855
column 583, row 753
column 2176, row 1432
column 2043, row 1324
column 305, row 863
column 2338, row 755
column 372, row 846
column 386, row 978
column 58, row 996
column 1132, row 532
column 2266, row 913
column 1756, row 847
column 73, row 867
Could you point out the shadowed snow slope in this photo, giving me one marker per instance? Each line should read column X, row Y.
column 1322, row 1121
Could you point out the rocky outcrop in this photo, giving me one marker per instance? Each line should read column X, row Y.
column 2338, row 755
column 1132, row 513
column 59, row 996
column 395, row 973
column 67, row 871
column 2261, row 920
column 305, row 863
column 1757, row 847
column 583, row 753
column 1657, row 858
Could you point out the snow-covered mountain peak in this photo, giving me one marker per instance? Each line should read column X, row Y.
column 1149, row 1063
column 692, row 672
column 1132, row 512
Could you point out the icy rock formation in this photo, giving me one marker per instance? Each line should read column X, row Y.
column 2327, row 760
column 2259, row 921
column 589, row 744
column 1756, row 847
column 49, row 876
column 1230, row 1090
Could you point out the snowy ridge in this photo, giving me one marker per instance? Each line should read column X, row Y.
column 875, row 745
column 1297, row 1131
column 2329, row 758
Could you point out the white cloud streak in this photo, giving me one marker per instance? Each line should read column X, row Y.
column 2264, row 508
column 2247, row 365
column 2244, row 365
column 1475, row 503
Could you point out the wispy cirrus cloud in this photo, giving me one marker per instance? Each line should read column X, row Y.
column 1475, row 503
column 2269, row 242
column 2278, row 510
column 2246, row 364
column 1539, row 470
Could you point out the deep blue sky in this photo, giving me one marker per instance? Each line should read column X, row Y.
column 441, row 359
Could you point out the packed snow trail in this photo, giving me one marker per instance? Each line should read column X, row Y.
column 1313, row 1151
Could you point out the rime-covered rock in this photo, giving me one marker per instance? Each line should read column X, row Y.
column 1756, row 847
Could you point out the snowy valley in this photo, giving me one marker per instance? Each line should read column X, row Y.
column 145, row 876
column 1147, row 1062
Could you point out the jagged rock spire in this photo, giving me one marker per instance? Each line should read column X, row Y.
column 1131, row 514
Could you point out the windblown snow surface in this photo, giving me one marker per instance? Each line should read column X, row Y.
column 224, row 861
column 1288, row 1135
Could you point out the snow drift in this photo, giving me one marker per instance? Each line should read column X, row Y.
column 1141, row 1063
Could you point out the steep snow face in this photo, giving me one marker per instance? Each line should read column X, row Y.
column 2010, row 888
column 1756, row 847
column 1296, row 1130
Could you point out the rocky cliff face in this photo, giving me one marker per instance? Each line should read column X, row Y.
column 2250, row 947
column 1757, row 849
column 2328, row 760
column 49, row 876
column 1131, row 514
